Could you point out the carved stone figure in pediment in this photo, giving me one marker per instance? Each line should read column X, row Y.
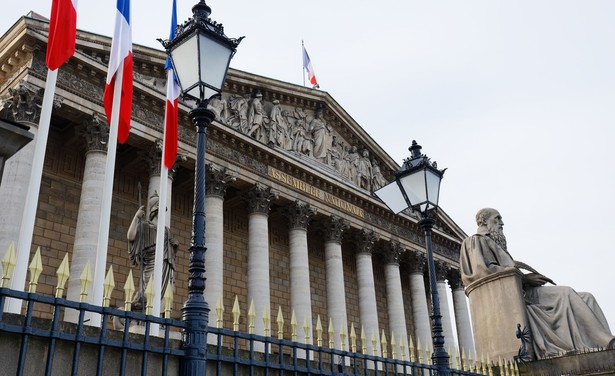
column 218, row 105
column 256, row 119
column 279, row 131
column 352, row 161
column 378, row 180
column 364, row 170
column 302, row 139
column 238, row 118
column 321, row 135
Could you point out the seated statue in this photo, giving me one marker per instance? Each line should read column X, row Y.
column 560, row 319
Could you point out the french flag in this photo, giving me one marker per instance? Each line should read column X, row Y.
column 170, row 130
column 62, row 32
column 121, row 58
column 307, row 64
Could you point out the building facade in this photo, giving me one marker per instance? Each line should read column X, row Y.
column 292, row 222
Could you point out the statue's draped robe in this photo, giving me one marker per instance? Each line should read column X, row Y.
column 145, row 244
column 560, row 318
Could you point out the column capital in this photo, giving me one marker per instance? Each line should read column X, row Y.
column 299, row 214
column 217, row 178
column 334, row 227
column 454, row 279
column 365, row 240
column 153, row 157
column 259, row 199
column 392, row 252
column 24, row 103
column 179, row 160
column 442, row 270
column 95, row 132
column 418, row 261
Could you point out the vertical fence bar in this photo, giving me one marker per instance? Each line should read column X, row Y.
column 27, row 329
column 77, row 351
column 52, row 339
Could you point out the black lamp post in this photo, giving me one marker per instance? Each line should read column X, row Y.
column 417, row 186
column 200, row 54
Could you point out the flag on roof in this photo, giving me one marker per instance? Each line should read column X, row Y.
column 62, row 32
column 120, row 59
column 307, row 65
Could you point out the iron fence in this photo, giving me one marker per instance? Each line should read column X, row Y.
column 124, row 345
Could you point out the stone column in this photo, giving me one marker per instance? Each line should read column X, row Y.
column 395, row 301
column 447, row 325
column 336, row 294
column 462, row 315
column 22, row 107
column 153, row 158
column 364, row 242
column 96, row 135
column 420, row 310
column 217, row 179
column 259, row 200
column 299, row 215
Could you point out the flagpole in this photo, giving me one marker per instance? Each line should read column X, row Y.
column 302, row 67
column 161, row 225
column 36, row 173
column 105, row 213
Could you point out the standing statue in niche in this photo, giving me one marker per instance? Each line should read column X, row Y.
column 142, row 249
column 560, row 319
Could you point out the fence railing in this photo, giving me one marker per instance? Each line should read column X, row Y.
column 129, row 343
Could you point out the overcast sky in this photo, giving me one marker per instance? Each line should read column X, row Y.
column 515, row 98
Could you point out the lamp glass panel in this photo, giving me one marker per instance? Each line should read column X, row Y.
column 414, row 185
column 392, row 197
column 185, row 62
column 214, row 60
column 433, row 187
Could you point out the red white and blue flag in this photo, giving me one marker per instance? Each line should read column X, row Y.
column 170, row 130
column 307, row 65
column 62, row 32
column 121, row 58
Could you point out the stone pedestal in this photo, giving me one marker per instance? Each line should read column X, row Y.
column 497, row 306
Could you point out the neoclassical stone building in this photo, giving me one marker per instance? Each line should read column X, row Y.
column 291, row 218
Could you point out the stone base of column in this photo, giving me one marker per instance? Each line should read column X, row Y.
column 497, row 306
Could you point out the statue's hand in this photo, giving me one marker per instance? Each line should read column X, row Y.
column 141, row 212
column 536, row 279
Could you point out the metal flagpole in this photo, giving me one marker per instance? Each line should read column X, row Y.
column 105, row 212
column 302, row 57
column 29, row 214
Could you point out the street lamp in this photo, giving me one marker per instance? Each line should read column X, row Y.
column 200, row 54
column 417, row 186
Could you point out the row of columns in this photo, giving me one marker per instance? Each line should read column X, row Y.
column 259, row 201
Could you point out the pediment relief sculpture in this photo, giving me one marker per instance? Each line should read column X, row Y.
column 303, row 132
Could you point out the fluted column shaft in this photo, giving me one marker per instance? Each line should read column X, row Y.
column 462, row 314
column 259, row 201
column 336, row 294
column 420, row 310
column 367, row 288
column 447, row 323
column 395, row 301
column 96, row 134
column 299, row 215
column 217, row 179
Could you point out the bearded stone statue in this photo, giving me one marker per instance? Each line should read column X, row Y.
column 560, row 319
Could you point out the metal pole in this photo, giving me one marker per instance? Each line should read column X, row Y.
column 439, row 356
column 195, row 312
